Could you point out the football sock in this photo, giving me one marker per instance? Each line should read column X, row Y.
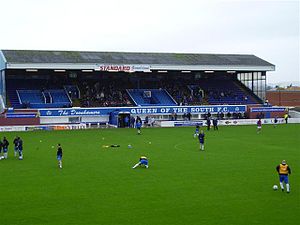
column 288, row 187
column 135, row 166
column 281, row 185
column 5, row 155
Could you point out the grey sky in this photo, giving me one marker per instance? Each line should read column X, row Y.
column 268, row 29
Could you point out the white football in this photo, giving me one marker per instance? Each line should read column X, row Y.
column 275, row 187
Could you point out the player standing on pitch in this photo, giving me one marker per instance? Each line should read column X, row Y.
column 196, row 131
column 284, row 170
column 258, row 126
column 20, row 148
column 16, row 146
column 138, row 126
column 5, row 145
column 275, row 121
column 59, row 155
column 201, row 140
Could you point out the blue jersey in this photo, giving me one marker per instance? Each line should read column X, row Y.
column 20, row 144
column 197, row 130
column 138, row 125
column 201, row 138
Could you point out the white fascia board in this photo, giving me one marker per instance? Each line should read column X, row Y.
column 212, row 68
column 92, row 66
column 62, row 66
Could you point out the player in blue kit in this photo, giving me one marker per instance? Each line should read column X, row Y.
column 16, row 146
column 20, row 148
column 201, row 140
column 59, row 155
column 5, row 145
column 143, row 162
column 138, row 126
column 196, row 131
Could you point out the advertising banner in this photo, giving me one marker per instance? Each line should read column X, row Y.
column 142, row 110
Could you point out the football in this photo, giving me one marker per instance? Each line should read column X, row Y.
column 275, row 187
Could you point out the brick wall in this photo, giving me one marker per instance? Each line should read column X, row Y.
column 284, row 98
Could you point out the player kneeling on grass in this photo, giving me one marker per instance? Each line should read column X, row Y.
column 201, row 140
column 59, row 155
column 143, row 162
column 284, row 170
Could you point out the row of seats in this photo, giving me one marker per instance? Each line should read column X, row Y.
column 151, row 97
column 43, row 99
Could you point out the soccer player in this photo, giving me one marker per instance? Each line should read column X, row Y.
column 258, row 126
column 286, row 117
column 138, row 126
column 284, row 170
column 143, row 162
column 16, row 146
column 59, row 155
column 275, row 121
column 196, row 131
column 5, row 145
column 208, row 123
column 20, row 148
column 215, row 123
column 201, row 140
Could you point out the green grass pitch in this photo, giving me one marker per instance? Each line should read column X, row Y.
column 230, row 183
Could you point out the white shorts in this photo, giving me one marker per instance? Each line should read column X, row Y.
column 258, row 127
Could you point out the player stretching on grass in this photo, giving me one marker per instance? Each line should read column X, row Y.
column 258, row 126
column 201, row 140
column 59, row 155
column 143, row 162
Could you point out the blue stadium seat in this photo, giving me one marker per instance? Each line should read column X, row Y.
column 159, row 97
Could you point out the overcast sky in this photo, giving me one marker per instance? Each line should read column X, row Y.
column 267, row 29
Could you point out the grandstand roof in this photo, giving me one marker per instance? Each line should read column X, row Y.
column 171, row 61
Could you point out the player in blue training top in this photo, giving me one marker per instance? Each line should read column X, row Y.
column 143, row 162
column 201, row 140
column 138, row 126
column 196, row 131
column 59, row 155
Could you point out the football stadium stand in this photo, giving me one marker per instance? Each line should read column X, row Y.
column 57, row 79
